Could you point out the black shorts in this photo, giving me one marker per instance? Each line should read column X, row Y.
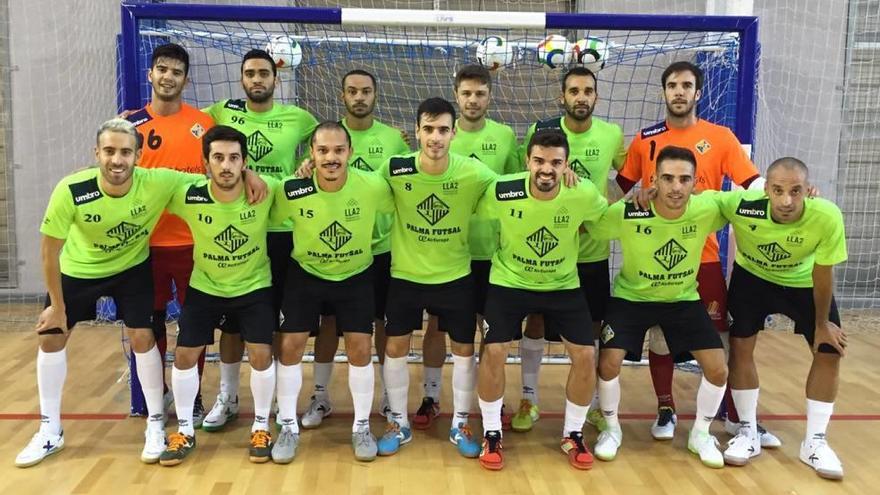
column 566, row 314
column 596, row 285
column 253, row 313
column 307, row 297
column 131, row 289
column 381, row 280
column 686, row 326
column 751, row 299
column 452, row 302
column 480, row 273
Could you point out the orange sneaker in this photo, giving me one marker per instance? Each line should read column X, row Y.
column 261, row 446
column 490, row 455
column 579, row 455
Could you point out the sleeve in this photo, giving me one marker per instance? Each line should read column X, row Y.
column 486, row 178
column 594, row 205
column 402, row 148
column 214, row 110
column 486, row 205
column 632, row 165
column 60, row 213
column 832, row 248
column 714, row 209
column 608, row 225
column 175, row 202
column 280, row 211
column 309, row 123
column 727, row 201
column 513, row 164
column 384, row 198
column 737, row 164
column 620, row 150
column 524, row 146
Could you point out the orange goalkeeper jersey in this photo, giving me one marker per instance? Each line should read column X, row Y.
column 719, row 153
column 175, row 142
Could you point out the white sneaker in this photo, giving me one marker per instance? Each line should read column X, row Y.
column 768, row 440
column 608, row 443
column 818, row 454
column 319, row 409
column 223, row 411
column 706, row 446
column 41, row 446
column 664, row 426
column 154, row 445
column 742, row 447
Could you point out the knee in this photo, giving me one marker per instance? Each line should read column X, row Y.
column 397, row 346
column 495, row 353
column 260, row 356
column 358, row 350
column 53, row 342
column 142, row 340
column 608, row 368
column 290, row 348
column 186, row 357
column 582, row 356
column 461, row 349
column 716, row 374
column 534, row 327
column 740, row 352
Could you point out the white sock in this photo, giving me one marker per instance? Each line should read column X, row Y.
column 151, row 373
column 323, row 372
column 818, row 416
column 530, row 353
column 230, row 374
column 609, row 400
column 464, row 380
column 289, row 380
column 746, row 402
column 491, row 412
column 432, row 383
column 51, row 374
column 397, row 386
column 575, row 416
column 185, row 384
column 709, row 397
column 361, row 383
column 262, row 388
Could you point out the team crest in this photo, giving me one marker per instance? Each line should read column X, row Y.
column 607, row 333
column 703, row 146
column 197, row 130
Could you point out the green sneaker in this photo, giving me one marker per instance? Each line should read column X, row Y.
column 595, row 418
column 179, row 446
column 526, row 417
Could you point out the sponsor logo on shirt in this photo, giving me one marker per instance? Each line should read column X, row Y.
column 433, row 209
column 654, row 130
column 402, row 166
column 258, row 146
column 237, row 105
column 542, row 241
column 703, row 146
column 579, row 169
column 773, row 252
column 197, row 130
column 670, row 254
column 198, row 195
column 553, row 123
column 85, row 192
column 562, row 218
column 630, row 212
column 124, row 231
column 361, row 164
column 231, row 239
column 352, row 210
column 335, row 236
column 510, row 190
column 752, row 209
column 139, row 118
column 298, row 188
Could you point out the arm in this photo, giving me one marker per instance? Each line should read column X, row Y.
column 823, row 289
column 54, row 317
column 254, row 186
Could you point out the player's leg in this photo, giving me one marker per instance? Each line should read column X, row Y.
column 381, row 278
column 480, row 274
column 162, row 278
column 433, row 359
column 226, row 405
column 326, row 345
column 661, row 366
column 595, row 283
column 531, row 352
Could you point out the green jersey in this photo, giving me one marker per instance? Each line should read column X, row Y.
column 784, row 253
column 660, row 256
column 333, row 230
column 371, row 149
column 592, row 155
column 495, row 146
column 272, row 136
column 105, row 235
column 539, row 239
column 433, row 212
column 229, row 239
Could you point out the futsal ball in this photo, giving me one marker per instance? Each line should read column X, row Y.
column 554, row 51
column 591, row 53
column 285, row 51
column 494, row 53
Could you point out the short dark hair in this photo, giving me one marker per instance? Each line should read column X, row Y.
column 223, row 133
column 358, row 72
column 257, row 53
column 330, row 125
column 473, row 72
column 548, row 138
column 683, row 66
column 434, row 107
column 677, row 153
column 577, row 71
column 789, row 163
column 172, row 51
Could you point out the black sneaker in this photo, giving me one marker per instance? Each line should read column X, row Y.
column 426, row 413
column 198, row 412
column 179, row 446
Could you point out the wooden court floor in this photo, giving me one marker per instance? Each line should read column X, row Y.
column 103, row 444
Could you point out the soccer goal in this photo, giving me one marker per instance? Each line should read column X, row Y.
column 414, row 54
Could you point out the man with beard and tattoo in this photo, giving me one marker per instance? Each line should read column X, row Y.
column 274, row 131
column 373, row 143
column 171, row 135
column 719, row 154
column 595, row 147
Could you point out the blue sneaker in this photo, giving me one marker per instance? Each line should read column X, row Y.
column 463, row 438
column 394, row 437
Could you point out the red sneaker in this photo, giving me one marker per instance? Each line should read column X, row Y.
column 579, row 455
column 426, row 414
column 490, row 456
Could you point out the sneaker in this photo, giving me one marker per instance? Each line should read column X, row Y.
column 664, row 426
column 506, row 419
column 179, row 446
column 260, row 450
column 768, row 440
column 384, row 408
column 817, row 454
column 463, row 438
column 525, row 418
column 425, row 415
column 364, row 444
column 742, row 447
column 198, row 412
column 319, row 409
column 394, row 437
column 706, row 446
column 579, row 455
column 490, row 455
column 223, row 411
column 595, row 418
column 608, row 444
column 154, row 445
column 42, row 445
column 284, row 448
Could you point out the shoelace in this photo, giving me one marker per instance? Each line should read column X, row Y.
column 392, row 427
column 494, row 443
column 362, row 438
column 578, row 440
column 665, row 416
column 425, row 408
column 176, row 442
column 260, row 439
column 465, row 431
column 525, row 406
